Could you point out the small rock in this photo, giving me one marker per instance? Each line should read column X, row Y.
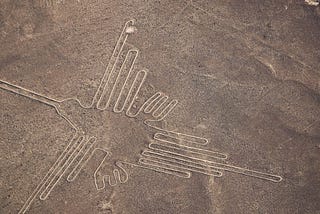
column 131, row 29
column 312, row 2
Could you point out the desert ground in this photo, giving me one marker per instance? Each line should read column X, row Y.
column 162, row 107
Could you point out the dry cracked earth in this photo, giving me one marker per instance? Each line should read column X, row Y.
column 246, row 74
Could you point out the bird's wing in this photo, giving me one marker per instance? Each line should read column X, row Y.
column 71, row 158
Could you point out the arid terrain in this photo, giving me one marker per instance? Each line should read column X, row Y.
column 160, row 107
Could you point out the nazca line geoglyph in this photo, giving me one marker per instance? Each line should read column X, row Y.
column 170, row 152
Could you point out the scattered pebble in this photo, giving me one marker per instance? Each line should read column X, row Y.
column 312, row 2
column 131, row 29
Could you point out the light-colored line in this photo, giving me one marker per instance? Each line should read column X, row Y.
column 178, row 135
column 150, row 99
column 136, row 79
column 98, row 168
column 37, row 190
column 223, row 166
column 179, row 151
column 125, row 82
column 82, row 162
column 181, row 164
column 115, row 175
column 28, row 93
column 151, row 107
column 147, row 105
column 189, row 149
column 303, row 130
column 37, row 97
column 181, row 138
column 166, row 110
column 119, row 164
column 247, row 172
column 112, row 63
column 54, row 103
column 56, row 178
column 157, row 166
column 115, row 84
column 158, row 113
